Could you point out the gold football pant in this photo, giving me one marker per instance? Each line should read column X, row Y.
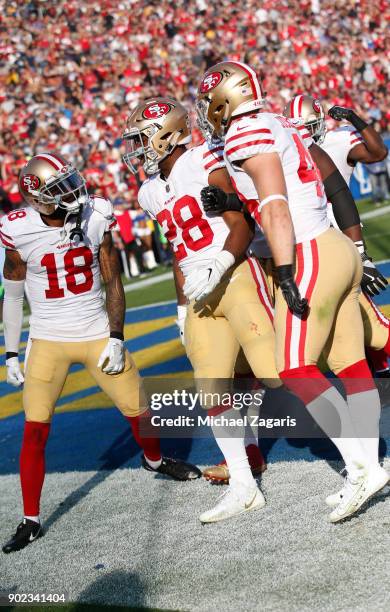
column 47, row 368
column 328, row 272
column 376, row 325
column 238, row 313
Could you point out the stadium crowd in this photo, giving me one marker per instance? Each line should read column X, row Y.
column 70, row 70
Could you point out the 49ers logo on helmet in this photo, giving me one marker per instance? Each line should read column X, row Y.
column 30, row 181
column 210, row 81
column 317, row 106
column 156, row 110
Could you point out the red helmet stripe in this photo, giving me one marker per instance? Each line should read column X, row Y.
column 49, row 158
column 253, row 80
column 61, row 161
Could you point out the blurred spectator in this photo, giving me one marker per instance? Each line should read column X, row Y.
column 70, row 70
column 379, row 180
column 126, row 242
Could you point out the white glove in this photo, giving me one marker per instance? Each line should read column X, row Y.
column 201, row 282
column 180, row 321
column 113, row 356
column 14, row 373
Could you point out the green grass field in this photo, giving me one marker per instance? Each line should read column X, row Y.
column 376, row 231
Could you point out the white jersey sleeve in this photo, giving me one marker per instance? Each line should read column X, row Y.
column 338, row 143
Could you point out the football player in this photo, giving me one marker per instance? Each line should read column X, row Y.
column 229, row 303
column 319, row 270
column 348, row 145
column 58, row 248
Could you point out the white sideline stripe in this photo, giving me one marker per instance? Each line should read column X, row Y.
column 375, row 213
column 147, row 282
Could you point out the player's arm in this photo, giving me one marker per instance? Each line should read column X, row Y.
column 373, row 149
column 112, row 359
column 347, row 216
column 14, row 276
column 338, row 194
column 240, row 225
column 266, row 172
column 202, row 282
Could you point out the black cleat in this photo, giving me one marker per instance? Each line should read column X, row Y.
column 174, row 468
column 26, row 532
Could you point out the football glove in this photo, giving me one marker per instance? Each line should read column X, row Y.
column 216, row 201
column 14, row 373
column 112, row 359
column 295, row 302
column 180, row 321
column 373, row 282
column 202, row 282
column 340, row 113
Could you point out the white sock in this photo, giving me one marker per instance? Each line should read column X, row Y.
column 365, row 411
column 230, row 440
column 36, row 519
column 153, row 464
column 251, row 431
column 343, row 433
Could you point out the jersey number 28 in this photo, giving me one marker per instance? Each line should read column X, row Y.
column 180, row 218
column 72, row 268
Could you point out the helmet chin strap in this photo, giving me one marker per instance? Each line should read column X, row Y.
column 77, row 231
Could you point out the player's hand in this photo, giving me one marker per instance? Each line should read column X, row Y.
column 14, row 373
column 203, row 281
column 180, row 321
column 293, row 298
column 291, row 294
column 338, row 113
column 112, row 359
column 214, row 199
column 373, row 282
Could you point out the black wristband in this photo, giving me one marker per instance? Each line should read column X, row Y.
column 117, row 335
column 357, row 122
column 233, row 202
column 10, row 354
column 285, row 272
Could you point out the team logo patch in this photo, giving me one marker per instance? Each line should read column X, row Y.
column 156, row 110
column 316, row 106
column 210, row 81
column 30, row 181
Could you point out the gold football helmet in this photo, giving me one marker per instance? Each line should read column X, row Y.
column 227, row 90
column 48, row 181
column 153, row 130
column 307, row 111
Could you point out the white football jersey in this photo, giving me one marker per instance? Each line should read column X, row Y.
column 63, row 275
column 175, row 203
column 271, row 133
column 337, row 144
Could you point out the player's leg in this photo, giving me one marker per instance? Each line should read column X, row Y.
column 127, row 393
column 325, row 271
column 377, row 343
column 212, row 349
column 45, row 375
column 247, row 306
column 346, row 359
